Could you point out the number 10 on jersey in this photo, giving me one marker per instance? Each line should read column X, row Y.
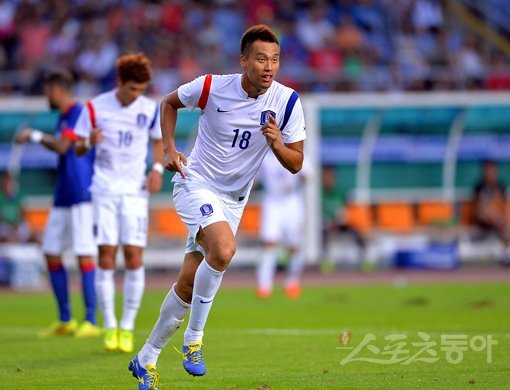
column 244, row 141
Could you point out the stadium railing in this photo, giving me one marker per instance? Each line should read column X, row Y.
column 408, row 148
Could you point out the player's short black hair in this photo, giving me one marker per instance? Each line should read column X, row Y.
column 61, row 77
column 259, row 32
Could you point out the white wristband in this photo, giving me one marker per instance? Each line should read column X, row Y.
column 158, row 167
column 36, row 136
column 87, row 143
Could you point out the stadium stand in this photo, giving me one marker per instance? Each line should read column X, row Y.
column 362, row 45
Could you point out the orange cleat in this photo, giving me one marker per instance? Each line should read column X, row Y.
column 264, row 293
column 293, row 290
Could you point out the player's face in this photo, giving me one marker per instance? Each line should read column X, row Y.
column 261, row 64
column 129, row 91
column 54, row 95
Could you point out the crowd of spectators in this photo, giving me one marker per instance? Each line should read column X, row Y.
column 342, row 45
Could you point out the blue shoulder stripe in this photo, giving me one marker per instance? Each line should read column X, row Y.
column 288, row 110
column 153, row 121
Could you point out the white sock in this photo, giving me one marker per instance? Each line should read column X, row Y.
column 172, row 313
column 267, row 268
column 134, row 284
column 105, row 290
column 295, row 267
column 207, row 282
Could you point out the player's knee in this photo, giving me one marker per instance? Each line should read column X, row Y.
column 133, row 257
column 133, row 263
column 219, row 258
column 106, row 261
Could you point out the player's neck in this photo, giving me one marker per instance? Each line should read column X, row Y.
column 66, row 105
column 248, row 87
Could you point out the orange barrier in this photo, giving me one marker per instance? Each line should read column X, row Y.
column 37, row 218
column 167, row 222
column 433, row 212
column 250, row 223
column 395, row 216
column 359, row 217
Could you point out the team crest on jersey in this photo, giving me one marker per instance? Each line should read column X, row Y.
column 141, row 120
column 206, row 209
column 264, row 116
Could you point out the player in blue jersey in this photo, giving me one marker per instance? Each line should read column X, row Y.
column 70, row 223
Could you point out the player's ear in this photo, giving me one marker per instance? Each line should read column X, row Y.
column 119, row 82
column 243, row 61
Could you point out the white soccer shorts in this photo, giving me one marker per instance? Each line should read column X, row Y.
column 200, row 206
column 70, row 228
column 283, row 221
column 120, row 219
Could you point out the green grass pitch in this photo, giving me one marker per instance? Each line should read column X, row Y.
column 277, row 344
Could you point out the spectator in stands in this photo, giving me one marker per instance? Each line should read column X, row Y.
column 86, row 36
column 334, row 219
column 490, row 206
column 13, row 227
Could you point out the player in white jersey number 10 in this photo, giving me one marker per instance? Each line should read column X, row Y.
column 119, row 124
column 243, row 117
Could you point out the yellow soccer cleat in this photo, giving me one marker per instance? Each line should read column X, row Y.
column 111, row 340
column 60, row 328
column 126, row 341
column 87, row 329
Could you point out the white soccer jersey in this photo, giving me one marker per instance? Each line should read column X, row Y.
column 278, row 182
column 120, row 162
column 230, row 146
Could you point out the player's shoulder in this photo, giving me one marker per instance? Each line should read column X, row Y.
column 74, row 112
column 148, row 102
column 283, row 92
column 103, row 99
column 222, row 81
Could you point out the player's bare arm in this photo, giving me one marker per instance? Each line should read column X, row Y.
column 84, row 144
column 155, row 176
column 172, row 158
column 289, row 155
column 59, row 145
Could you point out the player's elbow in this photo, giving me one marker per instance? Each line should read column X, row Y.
column 296, row 167
column 62, row 149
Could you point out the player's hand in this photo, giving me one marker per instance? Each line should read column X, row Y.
column 154, row 181
column 24, row 136
column 173, row 160
column 96, row 136
column 271, row 131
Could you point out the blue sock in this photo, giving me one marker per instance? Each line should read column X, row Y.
column 89, row 292
column 58, row 278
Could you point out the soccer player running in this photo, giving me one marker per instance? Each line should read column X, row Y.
column 282, row 223
column 119, row 123
column 243, row 117
column 70, row 223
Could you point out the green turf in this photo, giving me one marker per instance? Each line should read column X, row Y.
column 277, row 344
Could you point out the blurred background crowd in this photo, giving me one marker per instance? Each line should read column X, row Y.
column 342, row 45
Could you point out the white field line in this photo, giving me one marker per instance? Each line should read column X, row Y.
column 15, row 331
